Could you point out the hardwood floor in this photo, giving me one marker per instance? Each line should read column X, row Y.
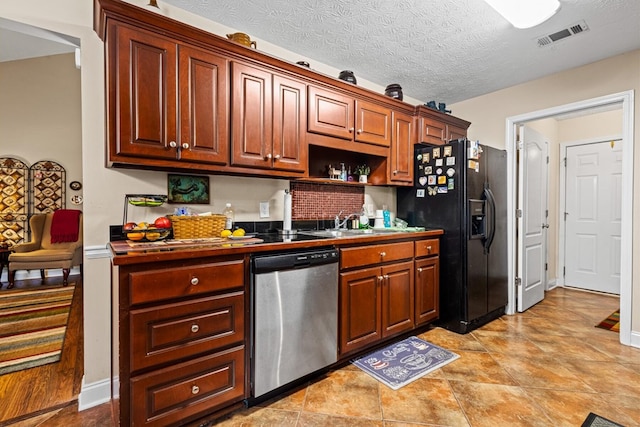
column 33, row 392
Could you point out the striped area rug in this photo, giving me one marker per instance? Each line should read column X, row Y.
column 32, row 326
column 611, row 323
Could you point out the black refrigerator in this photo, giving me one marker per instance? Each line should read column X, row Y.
column 461, row 187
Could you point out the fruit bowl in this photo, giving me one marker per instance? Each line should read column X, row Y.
column 147, row 234
column 147, row 200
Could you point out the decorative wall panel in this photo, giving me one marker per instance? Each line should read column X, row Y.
column 47, row 186
column 14, row 200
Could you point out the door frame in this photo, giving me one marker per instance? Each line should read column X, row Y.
column 626, row 99
column 562, row 199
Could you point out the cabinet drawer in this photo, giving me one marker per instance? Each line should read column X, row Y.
column 173, row 331
column 165, row 283
column 427, row 247
column 172, row 395
column 375, row 254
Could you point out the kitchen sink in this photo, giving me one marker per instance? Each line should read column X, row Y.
column 332, row 232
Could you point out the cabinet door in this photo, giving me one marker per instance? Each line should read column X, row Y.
column 251, row 116
column 360, row 307
column 427, row 289
column 330, row 113
column 204, row 124
column 397, row 298
column 432, row 131
column 454, row 132
column 143, row 104
column 402, row 149
column 289, row 124
column 373, row 123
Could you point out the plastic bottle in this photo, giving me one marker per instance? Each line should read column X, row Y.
column 228, row 212
column 364, row 219
column 343, row 172
column 386, row 215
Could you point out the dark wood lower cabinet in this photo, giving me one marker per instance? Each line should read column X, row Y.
column 181, row 339
column 377, row 301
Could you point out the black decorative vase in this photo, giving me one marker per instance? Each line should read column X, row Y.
column 347, row 76
column 394, row 90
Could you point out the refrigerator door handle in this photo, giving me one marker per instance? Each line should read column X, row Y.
column 491, row 214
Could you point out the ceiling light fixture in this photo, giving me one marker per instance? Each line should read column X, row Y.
column 525, row 13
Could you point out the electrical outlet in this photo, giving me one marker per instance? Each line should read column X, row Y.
column 264, row 209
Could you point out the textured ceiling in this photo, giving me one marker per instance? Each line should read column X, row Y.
column 440, row 50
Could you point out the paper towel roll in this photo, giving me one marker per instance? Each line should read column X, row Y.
column 286, row 223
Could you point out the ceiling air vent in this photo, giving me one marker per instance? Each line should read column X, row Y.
column 562, row 34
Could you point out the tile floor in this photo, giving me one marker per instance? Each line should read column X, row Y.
column 546, row 367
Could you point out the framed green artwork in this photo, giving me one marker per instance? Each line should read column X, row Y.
column 188, row 189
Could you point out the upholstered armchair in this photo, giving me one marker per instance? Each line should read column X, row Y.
column 46, row 251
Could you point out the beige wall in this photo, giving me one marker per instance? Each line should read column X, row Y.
column 40, row 117
column 617, row 74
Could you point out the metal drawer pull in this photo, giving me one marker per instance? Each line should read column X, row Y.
column 195, row 328
column 383, row 254
column 419, row 269
column 429, row 249
column 195, row 389
column 194, row 281
column 386, row 277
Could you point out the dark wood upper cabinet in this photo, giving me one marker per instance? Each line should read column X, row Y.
column 204, row 135
column 181, row 98
column 334, row 114
column 169, row 100
column 268, row 120
column 142, row 78
column 401, row 155
column 439, row 128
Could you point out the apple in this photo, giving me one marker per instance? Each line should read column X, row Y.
column 162, row 222
column 129, row 226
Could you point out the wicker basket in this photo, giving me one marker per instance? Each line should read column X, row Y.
column 196, row 227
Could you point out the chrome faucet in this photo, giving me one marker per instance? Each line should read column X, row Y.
column 342, row 224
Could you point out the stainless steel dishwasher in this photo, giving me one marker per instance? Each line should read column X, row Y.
column 295, row 316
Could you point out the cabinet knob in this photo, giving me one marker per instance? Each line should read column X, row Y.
column 268, row 156
column 185, row 146
column 277, row 157
column 350, row 130
column 419, row 269
column 383, row 254
column 173, row 144
column 380, row 279
column 428, row 249
column 395, row 172
column 195, row 389
column 359, row 131
column 195, row 328
column 385, row 277
column 194, row 281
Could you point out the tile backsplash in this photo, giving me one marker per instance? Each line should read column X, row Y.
column 325, row 201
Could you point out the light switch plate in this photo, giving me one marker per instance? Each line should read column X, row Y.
column 264, row 209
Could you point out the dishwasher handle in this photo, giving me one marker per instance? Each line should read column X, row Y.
column 293, row 260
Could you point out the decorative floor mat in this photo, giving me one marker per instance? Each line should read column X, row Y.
column 611, row 323
column 403, row 362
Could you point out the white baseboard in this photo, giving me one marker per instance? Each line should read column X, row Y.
column 94, row 394
column 635, row 339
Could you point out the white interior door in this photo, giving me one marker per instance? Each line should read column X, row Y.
column 593, row 215
column 532, row 223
